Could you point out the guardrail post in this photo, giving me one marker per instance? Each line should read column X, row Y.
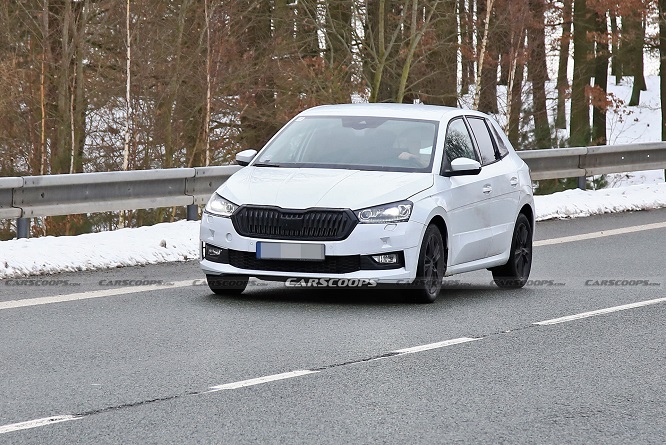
column 582, row 182
column 22, row 228
column 193, row 212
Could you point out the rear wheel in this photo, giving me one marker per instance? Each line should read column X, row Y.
column 514, row 274
column 430, row 268
column 227, row 284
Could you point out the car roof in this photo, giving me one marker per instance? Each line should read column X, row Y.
column 412, row 111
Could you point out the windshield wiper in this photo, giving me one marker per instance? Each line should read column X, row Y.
column 265, row 164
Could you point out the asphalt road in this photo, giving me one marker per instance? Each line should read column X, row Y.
column 150, row 366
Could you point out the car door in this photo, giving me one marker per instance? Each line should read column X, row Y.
column 464, row 198
column 502, row 180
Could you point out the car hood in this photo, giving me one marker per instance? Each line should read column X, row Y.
column 302, row 188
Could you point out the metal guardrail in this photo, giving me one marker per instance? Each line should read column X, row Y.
column 36, row 196
column 32, row 196
column 596, row 160
column 7, row 187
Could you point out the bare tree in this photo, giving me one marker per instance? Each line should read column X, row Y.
column 563, row 66
column 580, row 102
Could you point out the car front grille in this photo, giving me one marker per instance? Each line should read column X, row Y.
column 330, row 265
column 287, row 224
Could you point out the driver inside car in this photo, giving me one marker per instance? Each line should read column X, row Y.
column 413, row 152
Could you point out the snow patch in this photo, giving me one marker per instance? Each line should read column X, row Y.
column 179, row 241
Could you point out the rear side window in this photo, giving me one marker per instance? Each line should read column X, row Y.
column 501, row 147
column 458, row 142
column 483, row 140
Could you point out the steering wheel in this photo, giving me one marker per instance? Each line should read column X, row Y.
column 413, row 162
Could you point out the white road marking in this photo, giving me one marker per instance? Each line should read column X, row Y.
column 601, row 234
column 440, row 344
column 609, row 310
column 260, row 380
column 35, row 423
column 236, row 385
column 12, row 304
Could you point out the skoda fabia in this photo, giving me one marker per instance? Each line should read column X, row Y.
column 373, row 193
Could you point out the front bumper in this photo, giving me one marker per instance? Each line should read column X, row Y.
column 365, row 239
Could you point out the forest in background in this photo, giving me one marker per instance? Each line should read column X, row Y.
column 108, row 85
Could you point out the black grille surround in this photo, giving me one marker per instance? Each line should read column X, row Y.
column 330, row 265
column 315, row 224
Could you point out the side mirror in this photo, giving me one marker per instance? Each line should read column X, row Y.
column 244, row 157
column 464, row 167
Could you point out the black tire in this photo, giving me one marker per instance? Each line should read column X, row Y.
column 227, row 284
column 514, row 274
column 430, row 268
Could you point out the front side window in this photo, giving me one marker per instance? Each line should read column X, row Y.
column 458, row 142
column 353, row 142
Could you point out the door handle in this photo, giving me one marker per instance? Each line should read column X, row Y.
column 487, row 189
column 513, row 182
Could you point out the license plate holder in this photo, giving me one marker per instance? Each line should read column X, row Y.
column 290, row 251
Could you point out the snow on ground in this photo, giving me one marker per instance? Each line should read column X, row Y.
column 160, row 243
column 179, row 241
column 579, row 203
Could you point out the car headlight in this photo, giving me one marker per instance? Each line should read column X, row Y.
column 387, row 213
column 219, row 206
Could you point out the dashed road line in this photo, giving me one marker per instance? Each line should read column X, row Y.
column 36, row 423
column 600, row 234
column 228, row 386
column 440, row 344
column 13, row 304
column 260, row 380
column 302, row 372
column 608, row 310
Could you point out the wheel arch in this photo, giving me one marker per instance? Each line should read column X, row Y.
column 528, row 211
column 439, row 222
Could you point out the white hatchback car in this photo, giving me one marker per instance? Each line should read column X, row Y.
column 386, row 193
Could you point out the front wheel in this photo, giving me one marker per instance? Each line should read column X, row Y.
column 227, row 284
column 430, row 268
column 514, row 274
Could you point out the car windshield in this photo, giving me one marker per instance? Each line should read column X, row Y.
column 353, row 142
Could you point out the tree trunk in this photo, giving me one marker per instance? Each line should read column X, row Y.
column 208, row 86
column 306, row 31
column 616, row 67
column 515, row 97
column 61, row 148
column 538, row 72
column 259, row 124
column 383, row 48
column 600, row 80
column 42, row 96
column 662, row 65
column 580, row 104
column 441, row 86
column 377, row 22
column 638, row 65
column 79, row 91
column 485, row 96
column 339, row 32
column 466, row 30
column 128, row 84
column 563, row 67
